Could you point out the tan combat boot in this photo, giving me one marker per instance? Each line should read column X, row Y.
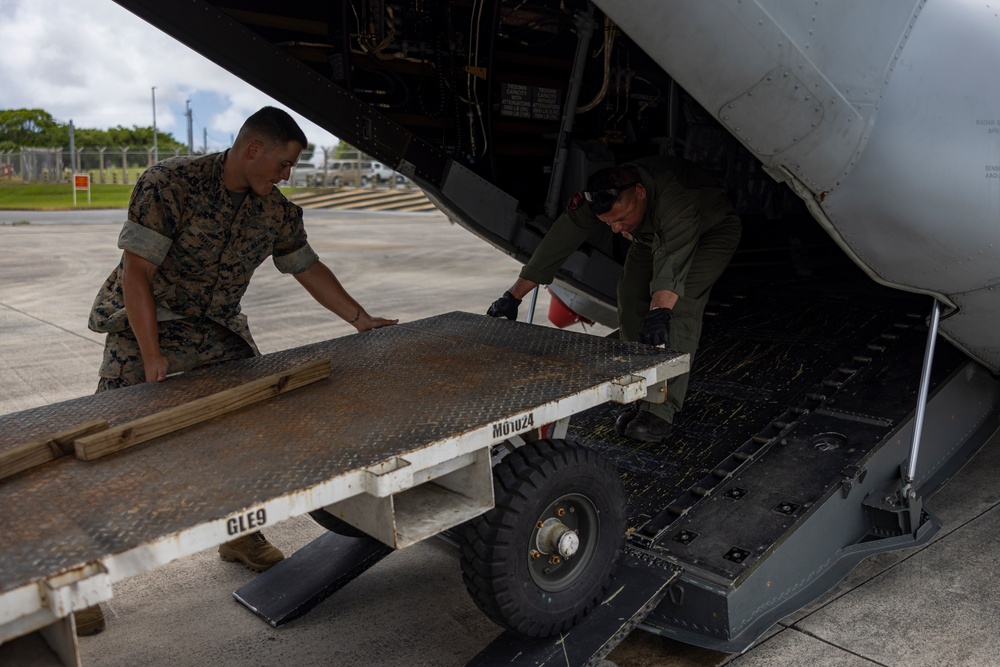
column 252, row 550
column 89, row 621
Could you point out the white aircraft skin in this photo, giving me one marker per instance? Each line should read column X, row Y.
column 883, row 116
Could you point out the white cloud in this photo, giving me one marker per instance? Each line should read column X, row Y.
column 94, row 62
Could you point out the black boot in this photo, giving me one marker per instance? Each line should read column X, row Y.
column 628, row 413
column 648, row 428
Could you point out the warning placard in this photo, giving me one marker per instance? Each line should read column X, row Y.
column 534, row 102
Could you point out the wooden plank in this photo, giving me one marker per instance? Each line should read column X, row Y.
column 141, row 430
column 36, row 452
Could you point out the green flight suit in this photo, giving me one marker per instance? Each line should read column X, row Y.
column 684, row 243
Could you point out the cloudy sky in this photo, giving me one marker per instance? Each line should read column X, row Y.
column 95, row 63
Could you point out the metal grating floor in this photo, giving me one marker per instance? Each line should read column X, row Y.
column 393, row 391
column 760, row 351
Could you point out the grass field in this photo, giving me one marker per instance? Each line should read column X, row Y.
column 15, row 195
column 59, row 196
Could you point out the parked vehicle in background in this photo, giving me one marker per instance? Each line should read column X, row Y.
column 384, row 174
column 381, row 172
column 341, row 172
column 344, row 172
column 304, row 175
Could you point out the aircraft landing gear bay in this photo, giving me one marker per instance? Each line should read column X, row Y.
column 543, row 557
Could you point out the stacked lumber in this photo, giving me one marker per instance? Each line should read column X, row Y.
column 96, row 438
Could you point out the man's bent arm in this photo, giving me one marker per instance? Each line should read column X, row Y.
column 323, row 286
column 521, row 287
column 137, row 280
column 663, row 298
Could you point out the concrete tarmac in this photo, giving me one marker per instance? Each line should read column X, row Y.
column 927, row 607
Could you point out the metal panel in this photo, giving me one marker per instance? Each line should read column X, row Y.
column 478, row 199
column 721, row 51
column 778, row 94
column 426, row 392
column 310, row 575
column 974, row 327
column 726, row 605
column 922, row 205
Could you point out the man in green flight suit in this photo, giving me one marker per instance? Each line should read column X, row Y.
column 683, row 232
column 197, row 229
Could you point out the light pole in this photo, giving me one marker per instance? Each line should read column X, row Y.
column 156, row 155
column 190, row 128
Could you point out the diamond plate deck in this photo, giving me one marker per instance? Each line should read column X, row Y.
column 394, row 392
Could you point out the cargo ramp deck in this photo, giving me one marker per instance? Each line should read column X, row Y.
column 784, row 469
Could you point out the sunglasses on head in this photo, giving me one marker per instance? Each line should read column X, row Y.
column 605, row 199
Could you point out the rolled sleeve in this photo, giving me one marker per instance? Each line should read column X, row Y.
column 144, row 242
column 297, row 261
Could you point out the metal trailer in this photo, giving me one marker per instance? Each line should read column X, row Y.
column 399, row 441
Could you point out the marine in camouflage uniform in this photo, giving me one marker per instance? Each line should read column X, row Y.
column 197, row 229
column 182, row 219
column 683, row 232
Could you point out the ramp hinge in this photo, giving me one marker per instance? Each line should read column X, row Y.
column 893, row 514
column 849, row 476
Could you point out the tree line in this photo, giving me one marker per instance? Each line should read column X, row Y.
column 37, row 129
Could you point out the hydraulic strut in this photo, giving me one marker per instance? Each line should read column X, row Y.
column 925, row 381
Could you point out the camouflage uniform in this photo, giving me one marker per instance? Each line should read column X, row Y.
column 182, row 218
column 684, row 243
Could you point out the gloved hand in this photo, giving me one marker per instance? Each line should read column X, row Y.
column 656, row 327
column 505, row 306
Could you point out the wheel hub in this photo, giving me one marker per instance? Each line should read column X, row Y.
column 563, row 542
column 556, row 537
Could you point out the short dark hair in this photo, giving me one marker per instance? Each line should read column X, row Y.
column 605, row 187
column 276, row 125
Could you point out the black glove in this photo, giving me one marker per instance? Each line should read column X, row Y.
column 505, row 306
column 656, row 327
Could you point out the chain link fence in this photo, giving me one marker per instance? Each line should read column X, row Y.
column 124, row 165
column 54, row 165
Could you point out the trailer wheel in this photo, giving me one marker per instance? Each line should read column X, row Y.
column 543, row 557
column 336, row 525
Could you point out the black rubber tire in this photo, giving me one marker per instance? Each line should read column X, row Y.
column 335, row 525
column 499, row 572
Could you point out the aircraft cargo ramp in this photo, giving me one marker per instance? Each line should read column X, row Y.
column 783, row 471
